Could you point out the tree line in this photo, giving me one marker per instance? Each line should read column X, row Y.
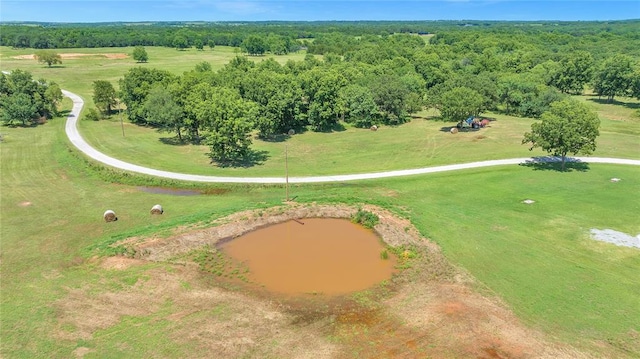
column 621, row 35
column 25, row 101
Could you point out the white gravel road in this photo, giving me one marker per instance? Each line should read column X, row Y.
column 77, row 140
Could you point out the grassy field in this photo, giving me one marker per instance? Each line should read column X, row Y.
column 77, row 74
column 354, row 150
column 538, row 258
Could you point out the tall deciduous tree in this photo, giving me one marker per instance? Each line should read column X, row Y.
column 49, row 57
column 163, row 111
column 321, row 90
column 140, row 54
column 226, row 120
column 104, row 96
column 254, row 45
column 359, row 106
column 574, row 71
column 460, row 103
column 635, row 85
column 569, row 127
column 180, row 42
column 18, row 107
column 53, row 96
column 18, row 87
column 390, row 94
column 135, row 86
column 614, row 77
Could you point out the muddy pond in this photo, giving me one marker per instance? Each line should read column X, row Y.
column 313, row 256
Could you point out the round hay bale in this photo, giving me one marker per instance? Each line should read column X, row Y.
column 291, row 132
column 453, row 130
column 157, row 209
column 484, row 122
column 374, row 128
column 110, row 216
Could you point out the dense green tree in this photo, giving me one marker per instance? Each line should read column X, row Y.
column 459, row 103
column 574, row 71
column 17, row 108
column 198, row 44
column 231, row 143
column 43, row 96
column 180, row 42
column 569, row 127
column 279, row 98
column 21, row 41
column 522, row 95
column 92, row 114
column 277, row 44
column 53, row 96
column 321, row 90
column 163, row 111
column 135, row 86
column 203, row 66
column 41, row 42
column 104, row 96
column 614, row 77
column 635, row 85
column 485, row 84
column 226, row 120
column 254, row 45
column 140, row 54
column 272, row 65
column 390, row 94
column 359, row 106
column 48, row 57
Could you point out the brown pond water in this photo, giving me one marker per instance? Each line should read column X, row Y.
column 322, row 255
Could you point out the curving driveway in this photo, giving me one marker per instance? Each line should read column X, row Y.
column 77, row 140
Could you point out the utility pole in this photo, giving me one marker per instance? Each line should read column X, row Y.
column 120, row 114
column 286, row 169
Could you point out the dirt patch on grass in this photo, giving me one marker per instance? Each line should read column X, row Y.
column 431, row 309
column 69, row 56
column 205, row 318
column 120, row 263
column 393, row 230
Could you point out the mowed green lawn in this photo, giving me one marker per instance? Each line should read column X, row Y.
column 538, row 258
column 420, row 143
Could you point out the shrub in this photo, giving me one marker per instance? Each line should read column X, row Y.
column 92, row 115
column 365, row 218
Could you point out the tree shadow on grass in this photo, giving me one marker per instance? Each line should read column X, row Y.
column 282, row 137
column 604, row 101
column 64, row 113
column 174, row 141
column 254, row 158
column 552, row 163
column 464, row 129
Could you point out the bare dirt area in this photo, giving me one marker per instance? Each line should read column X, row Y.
column 74, row 56
column 430, row 309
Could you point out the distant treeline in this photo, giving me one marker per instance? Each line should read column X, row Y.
column 335, row 36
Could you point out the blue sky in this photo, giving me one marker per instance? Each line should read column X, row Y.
column 258, row 10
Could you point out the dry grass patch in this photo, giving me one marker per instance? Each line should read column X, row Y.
column 74, row 56
column 208, row 319
column 430, row 309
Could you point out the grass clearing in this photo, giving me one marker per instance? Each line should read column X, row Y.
column 537, row 258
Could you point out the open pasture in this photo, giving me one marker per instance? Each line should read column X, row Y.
column 567, row 295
